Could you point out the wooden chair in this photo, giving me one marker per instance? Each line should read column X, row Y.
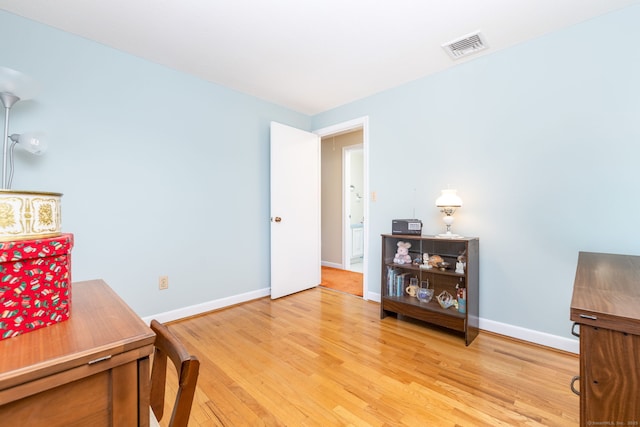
column 187, row 366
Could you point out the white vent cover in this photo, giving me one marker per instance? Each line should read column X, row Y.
column 466, row 45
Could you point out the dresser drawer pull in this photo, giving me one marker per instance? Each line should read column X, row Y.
column 586, row 316
column 573, row 330
column 573, row 388
column 99, row 359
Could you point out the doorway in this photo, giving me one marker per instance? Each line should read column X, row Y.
column 344, row 206
column 353, row 207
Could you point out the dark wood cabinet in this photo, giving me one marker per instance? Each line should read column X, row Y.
column 395, row 278
column 606, row 305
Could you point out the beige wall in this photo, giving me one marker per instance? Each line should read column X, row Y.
column 331, row 159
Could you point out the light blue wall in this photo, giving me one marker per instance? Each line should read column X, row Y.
column 162, row 173
column 541, row 140
column 165, row 174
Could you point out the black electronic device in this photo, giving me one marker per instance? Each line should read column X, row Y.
column 406, row 226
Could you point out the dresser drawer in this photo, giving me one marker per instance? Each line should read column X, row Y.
column 609, row 376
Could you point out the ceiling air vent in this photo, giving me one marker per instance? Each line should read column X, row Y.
column 466, row 45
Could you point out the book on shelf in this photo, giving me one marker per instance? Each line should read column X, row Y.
column 391, row 281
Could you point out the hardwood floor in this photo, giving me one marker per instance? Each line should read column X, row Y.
column 342, row 280
column 321, row 358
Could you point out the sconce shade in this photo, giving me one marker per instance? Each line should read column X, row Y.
column 15, row 86
column 32, row 142
column 448, row 199
column 15, row 83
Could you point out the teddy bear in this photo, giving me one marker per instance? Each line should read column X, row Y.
column 402, row 254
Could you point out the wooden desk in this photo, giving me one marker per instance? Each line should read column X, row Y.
column 90, row 370
column 606, row 305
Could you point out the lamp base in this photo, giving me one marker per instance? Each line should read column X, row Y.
column 449, row 235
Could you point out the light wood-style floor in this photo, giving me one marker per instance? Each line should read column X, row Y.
column 324, row 358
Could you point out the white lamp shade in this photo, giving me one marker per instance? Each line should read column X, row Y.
column 17, row 83
column 448, row 198
column 32, row 142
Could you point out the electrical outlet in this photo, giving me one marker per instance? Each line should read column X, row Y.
column 163, row 282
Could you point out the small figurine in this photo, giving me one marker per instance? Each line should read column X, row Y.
column 446, row 300
column 425, row 261
column 461, row 263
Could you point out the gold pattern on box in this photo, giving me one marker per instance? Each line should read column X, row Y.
column 28, row 215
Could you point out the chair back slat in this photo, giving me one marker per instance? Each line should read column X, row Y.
column 168, row 346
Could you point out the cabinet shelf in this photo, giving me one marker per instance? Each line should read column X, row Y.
column 394, row 278
column 432, row 270
column 431, row 305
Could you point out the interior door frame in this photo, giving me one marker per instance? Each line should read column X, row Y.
column 351, row 125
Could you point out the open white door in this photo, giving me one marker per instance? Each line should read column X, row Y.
column 295, row 210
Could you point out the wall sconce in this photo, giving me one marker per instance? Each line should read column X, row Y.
column 448, row 202
column 15, row 86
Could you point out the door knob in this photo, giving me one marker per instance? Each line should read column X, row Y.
column 277, row 219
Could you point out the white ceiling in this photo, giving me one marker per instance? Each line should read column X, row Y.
column 307, row 55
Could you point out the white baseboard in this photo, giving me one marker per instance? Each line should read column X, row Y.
column 529, row 335
column 205, row 307
column 331, row 264
column 536, row 337
column 374, row 296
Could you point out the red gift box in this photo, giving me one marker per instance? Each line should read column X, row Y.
column 35, row 284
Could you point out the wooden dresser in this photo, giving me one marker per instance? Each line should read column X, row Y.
column 606, row 305
column 90, row 370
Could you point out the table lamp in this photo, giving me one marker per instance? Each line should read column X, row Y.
column 448, row 202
